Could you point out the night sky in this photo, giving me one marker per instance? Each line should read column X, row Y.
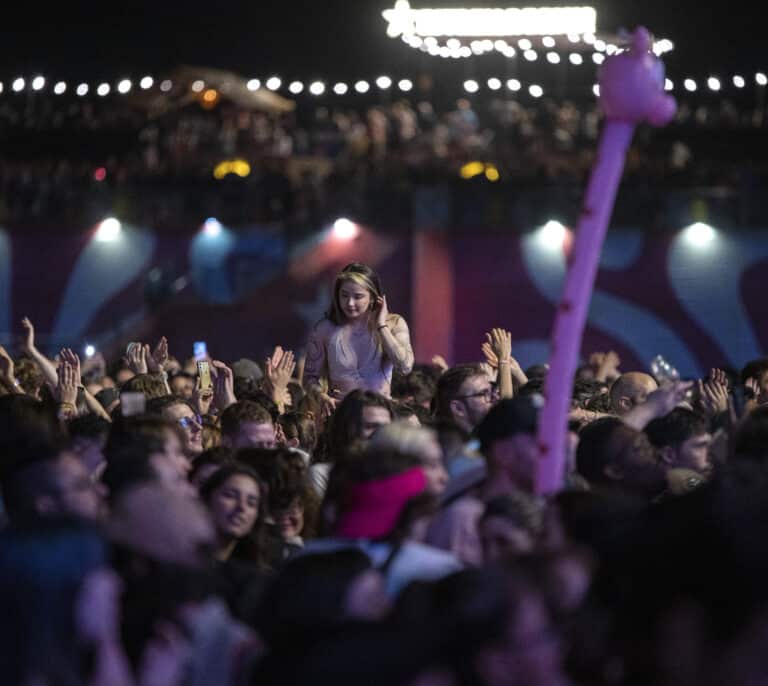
column 328, row 39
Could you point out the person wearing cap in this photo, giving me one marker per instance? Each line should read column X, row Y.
column 507, row 438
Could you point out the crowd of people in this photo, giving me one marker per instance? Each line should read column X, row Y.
column 61, row 153
column 349, row 516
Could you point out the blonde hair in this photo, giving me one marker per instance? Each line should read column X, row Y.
column 404, row 439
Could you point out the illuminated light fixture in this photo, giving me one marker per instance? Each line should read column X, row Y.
column 514, row 85
column 699, row 234
column 274, row 83
column 90, row 351
column 524, row 44
column 552, row 235
column 166, row 85
column 60, row 88
column 362, row 87
column 253, row 85
column 575, row 59
column 403, row 20
column 109, row 230
column 669, row 85
column 453, row 43
column 210, row 97
column 531, row 55
column 494, row 84
column 18, row 85
column 536, row 91
column 405, row 85
column 598, row 58
column 713, row 83
column 146, row 83
column 103, row 89
column 317, row 88
column 100, row 174
column 471, row 169
column 2, row 87
column 124, row 86
column 38, row 83
column 82, row 89
column 589, row 38
column 500, row 45
column 611, row 49
column 471, row 86
column 345, row 230
column 238, row 167
column 296, row 87
column 444, row 52
column 197, row 86
column 431, row 41
column 596, row 90
column 662, row 46
column 600, row 45
column 465, row 51
column 761, row 79
column 553, row 58
column 574, row 37
column 383, row 82
column 341, row 88
column 548, row 42
column 739, row 81
column 690, row 85
column 492, row 173
column 212, row 227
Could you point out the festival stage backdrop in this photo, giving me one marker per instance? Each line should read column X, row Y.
column 698, row 301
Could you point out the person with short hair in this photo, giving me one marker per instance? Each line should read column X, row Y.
column 247, row 424
column 629, row 390
column 464, row 396
column 184, row 415
column 682, row 440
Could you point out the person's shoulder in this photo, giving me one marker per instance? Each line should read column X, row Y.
column 324, row 327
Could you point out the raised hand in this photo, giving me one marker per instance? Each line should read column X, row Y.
column 280, row 368
column 136, row 358
column 157, row 360
column 718, row 376
column 490, row 356
column 73, row 360
column 713, row 397
column 381, row 310
column 28, row 340
column 223, row 385
column 66, row 389
column 664, row 400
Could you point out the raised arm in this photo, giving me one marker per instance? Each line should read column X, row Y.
column 395, row 338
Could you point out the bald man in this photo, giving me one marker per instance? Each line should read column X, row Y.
column 629, row 390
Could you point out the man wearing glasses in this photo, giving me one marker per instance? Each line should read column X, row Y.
column 464, row 396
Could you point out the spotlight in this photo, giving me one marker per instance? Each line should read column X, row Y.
column 471, row 86
column 146, row 82
column 82, row 89
column 274, row 83
column 60, row 88
column 108, row 230
column 598, row 58
column 739, row 82
column 553, row 58
column 18, row 85
column 296, row 87
column 699, row 234
column 103, row 89
column 536, row 91
column 345, row 230
column 514, row 85
column 341, row 88
column 761, row 79
column 494, row 84
column 548, row 42
column 552, row 235
column 317, row 88
column 166, row 85
column 713, row 83
column 90, row 351
column 690, row 85
column 576, row 59
column 212, row 227
column 405, row 85
column 531, row 55
column 669, row 85
column 253, row 85
column 383, row 82
column 362, row 87
column 197, row 86
column 38, row 83
column 124, row 86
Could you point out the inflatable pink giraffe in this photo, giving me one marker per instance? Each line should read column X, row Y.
column 631, row 92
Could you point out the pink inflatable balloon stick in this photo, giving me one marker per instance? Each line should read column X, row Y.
column 631, row 92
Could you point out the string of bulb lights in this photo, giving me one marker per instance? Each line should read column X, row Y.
column 39, row 84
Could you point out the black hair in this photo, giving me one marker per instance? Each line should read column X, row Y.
column 675, row 428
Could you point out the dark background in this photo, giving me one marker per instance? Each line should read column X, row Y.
column 328, row 39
